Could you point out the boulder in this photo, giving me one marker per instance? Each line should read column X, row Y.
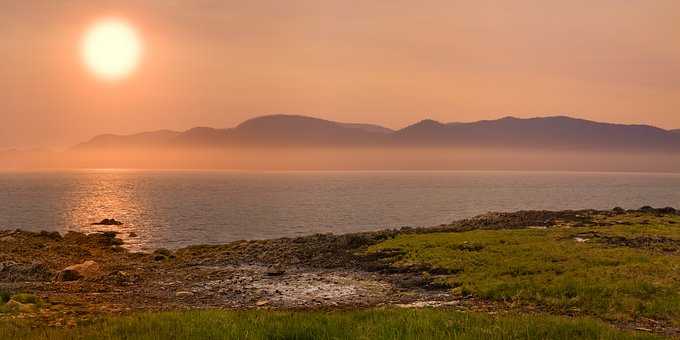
column 53, row 235
column 618, row 210
column 162, row 254
column 108, row 238
column 85, row 270
column 667, row 210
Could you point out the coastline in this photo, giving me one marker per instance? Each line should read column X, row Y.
column 316, row 272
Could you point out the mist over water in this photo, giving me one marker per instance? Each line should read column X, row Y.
column 180, row 208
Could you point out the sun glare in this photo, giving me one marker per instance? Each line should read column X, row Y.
column 111, row 49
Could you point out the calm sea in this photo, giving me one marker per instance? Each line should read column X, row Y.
column 179, row 208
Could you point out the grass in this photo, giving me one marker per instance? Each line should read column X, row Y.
column 362, row 324
column 26, row 298
column 4, row 297
column 26, row 301
column 549, row 268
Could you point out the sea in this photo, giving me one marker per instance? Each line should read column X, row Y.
column 173, row 209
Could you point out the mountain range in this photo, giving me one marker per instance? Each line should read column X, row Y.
column 547, row 133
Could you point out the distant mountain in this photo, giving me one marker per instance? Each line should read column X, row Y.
column 155, row 138
column 553, row 133
column 369, row 128
column 273, row 130
column 559, row 132
column 200, row 136
column 304, row 131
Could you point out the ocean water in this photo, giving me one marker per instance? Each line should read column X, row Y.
column 179, row 208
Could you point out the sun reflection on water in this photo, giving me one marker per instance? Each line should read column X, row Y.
column 110, row 195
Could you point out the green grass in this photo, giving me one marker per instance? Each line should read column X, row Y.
column 26, row 298
column 363, row 324
column 550, row 269
column 5, row 296
column 29, row 300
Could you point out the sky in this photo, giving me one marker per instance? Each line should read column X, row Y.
column 391, row 62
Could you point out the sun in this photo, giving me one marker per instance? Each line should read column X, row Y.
column 111, row 49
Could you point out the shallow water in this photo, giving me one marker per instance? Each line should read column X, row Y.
column 179, row 208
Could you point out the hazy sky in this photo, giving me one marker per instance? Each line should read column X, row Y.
column 392, row 62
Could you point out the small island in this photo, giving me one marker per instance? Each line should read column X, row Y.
column 108, row 221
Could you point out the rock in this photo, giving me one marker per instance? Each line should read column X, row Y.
column 108, row 221
column 163, row 254
column 85, row 270
column 119, row 277
column 261, row 303
column 53, row 235
column 275, row 271
column 108, row 234
column 132, row 234
column 9, row 239
column 667, row 210
column 11, row 271
column 163, row 251
column 466, row 246
column 184, row 294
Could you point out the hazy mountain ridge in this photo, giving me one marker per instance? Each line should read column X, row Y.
column 558, row 132
column 280, row 130
column 551, row 132
column 153, row 137
column 273, row 130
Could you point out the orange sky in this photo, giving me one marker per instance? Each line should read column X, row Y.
column 218, row 62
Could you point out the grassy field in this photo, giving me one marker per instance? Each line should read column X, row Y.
column 627, row 269
column 365, row 324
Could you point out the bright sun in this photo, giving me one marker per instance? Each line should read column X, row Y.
column 111, row 49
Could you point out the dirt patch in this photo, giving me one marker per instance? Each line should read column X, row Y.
column 644, row 242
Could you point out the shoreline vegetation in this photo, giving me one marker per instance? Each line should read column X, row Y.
column 528, row 274
column 361, row 324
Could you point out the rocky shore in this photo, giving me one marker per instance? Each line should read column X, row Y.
column 76, row 277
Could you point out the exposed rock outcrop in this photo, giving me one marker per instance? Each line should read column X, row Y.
column 85, row 270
